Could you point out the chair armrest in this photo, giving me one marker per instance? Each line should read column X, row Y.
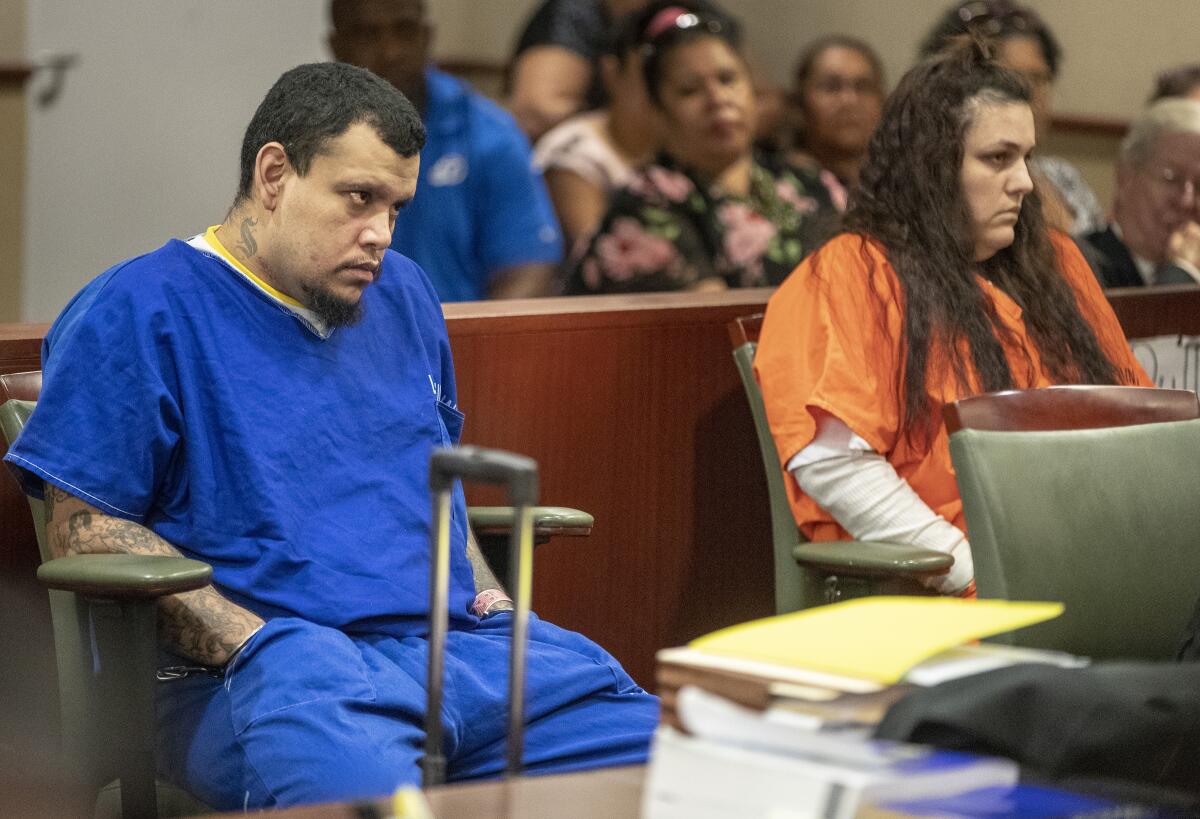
column 548, row 521
column 124, row 576
column 871, row 559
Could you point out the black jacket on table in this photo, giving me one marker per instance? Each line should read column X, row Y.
column 1135, row 722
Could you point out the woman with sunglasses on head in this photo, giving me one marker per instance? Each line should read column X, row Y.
column 705, row 214
column 947, row 283
column 1025, row 45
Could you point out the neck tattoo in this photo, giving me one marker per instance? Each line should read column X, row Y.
column 247, row 245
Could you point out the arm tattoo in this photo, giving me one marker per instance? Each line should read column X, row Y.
column 53, row 496
column 201, row 624
column 485, row 578
column 247, row 245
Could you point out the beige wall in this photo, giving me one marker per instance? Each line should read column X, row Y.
column 12, row 163
column 1112, row 48
column 1112, row 51
column 483, row 30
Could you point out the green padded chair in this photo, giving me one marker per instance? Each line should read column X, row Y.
column 1089, row 496
column 810, row 574
column 107, row 698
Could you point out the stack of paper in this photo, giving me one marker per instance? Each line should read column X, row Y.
column 736, row 762
column 844, row 660
column 772, row 718
column 872, row 638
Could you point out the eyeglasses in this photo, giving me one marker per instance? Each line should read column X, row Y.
column 1173, row 180
column 993, row 17
column 860, row 86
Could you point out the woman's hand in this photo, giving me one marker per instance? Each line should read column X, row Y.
column 711, row 284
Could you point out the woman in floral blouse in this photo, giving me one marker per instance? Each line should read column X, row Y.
column 705, row 214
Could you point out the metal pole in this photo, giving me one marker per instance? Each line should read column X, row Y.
column 433, row 764
column 521, row 560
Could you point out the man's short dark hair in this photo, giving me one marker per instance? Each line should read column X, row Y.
column 314, row 103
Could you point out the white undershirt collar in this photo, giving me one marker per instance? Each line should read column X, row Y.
column 209, row 244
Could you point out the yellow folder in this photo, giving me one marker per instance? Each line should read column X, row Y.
column 874, row 638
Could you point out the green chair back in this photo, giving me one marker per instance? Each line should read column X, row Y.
column 795, row 588
column 1104, row 520
column 92, row 718
column 77, row 698
column 812, row 574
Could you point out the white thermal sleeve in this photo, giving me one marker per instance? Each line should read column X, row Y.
column 863, row 493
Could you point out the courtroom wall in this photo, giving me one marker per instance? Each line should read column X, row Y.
column 142, row 144
column 12, row 161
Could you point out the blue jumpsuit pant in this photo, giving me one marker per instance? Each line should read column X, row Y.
column 310, row 714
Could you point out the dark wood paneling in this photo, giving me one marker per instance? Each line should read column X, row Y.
column 20, row 347
column 14, row 72
column 1157, row 311
column 631, row 407
column 1089, row 124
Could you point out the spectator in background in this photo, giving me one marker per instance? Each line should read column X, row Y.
column 555, row 66
column 590, row 155
column 485, row 227
column 1025, row 44
column 1182, row 81
column 946, row 284
column 1154, row 237
column 837, row 100
column 705, row 214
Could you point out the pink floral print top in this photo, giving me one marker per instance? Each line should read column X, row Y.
column 665, row 231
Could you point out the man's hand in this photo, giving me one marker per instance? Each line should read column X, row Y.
column 201, row 625
column 524, row 281
column 1184, row 245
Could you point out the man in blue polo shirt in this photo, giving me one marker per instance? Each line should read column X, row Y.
column 265, row 397
column 484, row 227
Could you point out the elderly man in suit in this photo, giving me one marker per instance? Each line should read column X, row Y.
column 1154, row 237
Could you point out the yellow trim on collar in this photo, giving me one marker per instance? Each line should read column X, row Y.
column 211, row 236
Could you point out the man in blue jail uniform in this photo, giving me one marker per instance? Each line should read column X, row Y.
column 485, row 228
column 265, row 398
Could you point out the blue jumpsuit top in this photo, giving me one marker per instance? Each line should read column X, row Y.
column 179, row 395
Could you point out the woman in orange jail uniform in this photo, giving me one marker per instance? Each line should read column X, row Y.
column 946, row 283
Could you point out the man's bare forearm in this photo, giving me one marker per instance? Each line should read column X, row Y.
column 485, row 578
column 201, row 625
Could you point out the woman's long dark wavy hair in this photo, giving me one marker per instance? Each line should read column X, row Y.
column 910, row 199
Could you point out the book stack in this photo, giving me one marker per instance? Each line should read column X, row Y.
column 773, row 718
column 849, row 662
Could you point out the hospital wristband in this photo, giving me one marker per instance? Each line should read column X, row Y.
column 487, row 600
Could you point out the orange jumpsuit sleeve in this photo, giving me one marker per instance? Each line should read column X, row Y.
column 1098, row 312
column 829, row 343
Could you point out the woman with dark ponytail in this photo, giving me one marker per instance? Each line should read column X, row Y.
column 946, row 283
